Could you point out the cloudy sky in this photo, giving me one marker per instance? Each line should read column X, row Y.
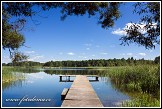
column 79, row 38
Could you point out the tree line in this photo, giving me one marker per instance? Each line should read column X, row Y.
column 24, row 63
column 100, row 62
column 89, row 63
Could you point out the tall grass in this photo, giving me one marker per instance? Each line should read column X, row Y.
column 144, row 79
column 9, row 74
column 12, row 75
column 143, row 100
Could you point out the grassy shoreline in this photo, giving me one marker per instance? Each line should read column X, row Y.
column 143, row 80
column 62, row 67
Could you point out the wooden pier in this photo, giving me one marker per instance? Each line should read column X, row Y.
column 81, row 94
column 66, row 78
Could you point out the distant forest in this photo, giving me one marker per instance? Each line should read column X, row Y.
column 88, row 63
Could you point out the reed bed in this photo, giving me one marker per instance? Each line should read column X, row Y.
column 143, row 79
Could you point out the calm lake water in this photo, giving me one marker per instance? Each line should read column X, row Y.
column 45, row 84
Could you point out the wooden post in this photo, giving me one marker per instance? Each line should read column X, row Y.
column 69, row 78
column 96, row 78
column 60, row 78
column 64, row 92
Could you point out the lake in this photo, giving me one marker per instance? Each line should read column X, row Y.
column 45, row 84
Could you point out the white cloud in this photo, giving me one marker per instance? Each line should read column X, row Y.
column 119, row 32
column 29, row 52
column 142, row 29
column 141, row 25
column 71, row 53
column 104, row 53
column 129, row 54
column 142, row 54
column 155, row 43
column 30, row 59
column 93, row 55
column 35, row 58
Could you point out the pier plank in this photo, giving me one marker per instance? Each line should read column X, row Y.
column 81, row 94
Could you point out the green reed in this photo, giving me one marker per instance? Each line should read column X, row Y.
column 142, row 100
column 10, row 74
column 144, row 79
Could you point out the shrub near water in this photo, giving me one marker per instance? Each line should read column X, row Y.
column 143, row 79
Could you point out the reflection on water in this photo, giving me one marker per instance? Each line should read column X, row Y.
column 46, row 84
column 9, row 84
column 12, row 79
column 72, row 72
column 109, row 96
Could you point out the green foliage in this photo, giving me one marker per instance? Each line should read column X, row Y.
column 85, row 63
column 98, row 63
column 144, row 100
column 18, row 57
column 108, row 11
column 11, row 38
column 4, row 64
column 144, row 79
column 157, row 60
column 26, row 64
column 150, row 12
column 8, row 69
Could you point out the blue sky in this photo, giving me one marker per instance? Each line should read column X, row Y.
column 79, row 38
